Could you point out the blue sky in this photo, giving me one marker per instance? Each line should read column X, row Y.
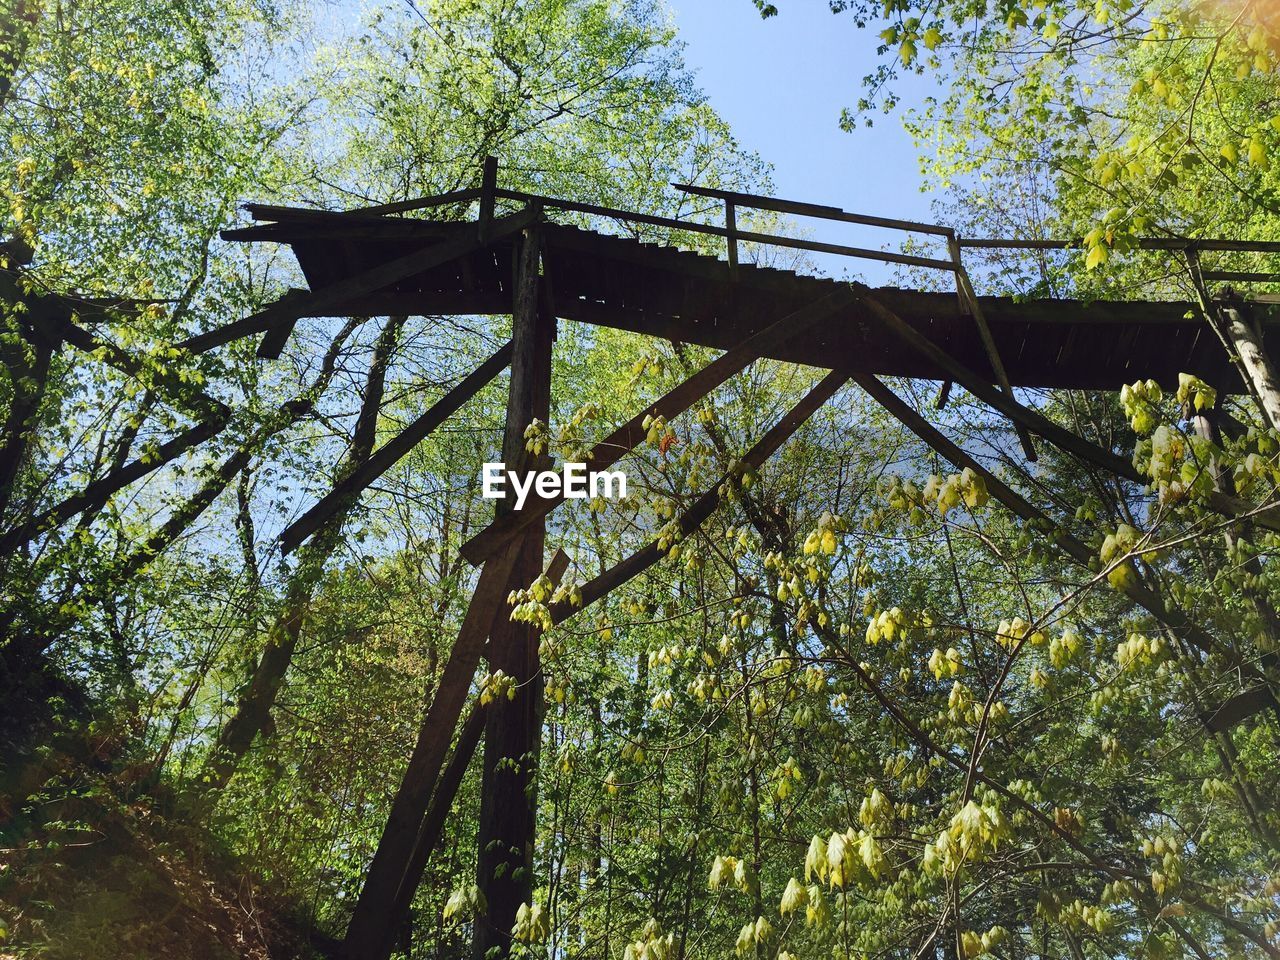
column 782, row 82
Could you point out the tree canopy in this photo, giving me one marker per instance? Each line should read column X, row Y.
column 892, row 699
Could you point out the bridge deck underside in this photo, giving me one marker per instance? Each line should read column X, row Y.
column 679, row 295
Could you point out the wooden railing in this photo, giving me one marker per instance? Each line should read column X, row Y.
column 489, row 193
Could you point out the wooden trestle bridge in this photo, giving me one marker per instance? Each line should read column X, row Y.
column 378, row 261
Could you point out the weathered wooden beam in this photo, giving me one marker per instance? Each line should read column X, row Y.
column 507, row 820
column 764, row 238
column 967, row 295
column 702, row 508
column 387, row 868
column 422, row 203
column 179, row 392
column 278, row 214
column 1231, row 507
column 610, row 450
column 944, row 394
column 1144, row 243
column 317, row 302
column 488, row 184
column 437, row 815
column 1240, row 276
column 1174, row 619
column 731, row 224
column 277, row 335
column 1007, row 405
column 390, row 228
column 393, row 450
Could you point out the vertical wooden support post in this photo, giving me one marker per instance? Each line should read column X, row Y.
column 513, row 727
column 488, row 190
column 965, row 289
column 731, row 224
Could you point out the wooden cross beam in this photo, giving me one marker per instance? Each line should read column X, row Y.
column 181, row 393
column 393, row 450
column 592, row 591
column 702, row 508
column 610, row 450
column 49, row 322
column 99, row 490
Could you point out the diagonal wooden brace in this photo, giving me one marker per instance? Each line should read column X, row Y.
column 1232, row 507
column 1177, row 621
column 705, row 505
column 99, row 490
column 610, row 450
column 965, row 288
column 393, row 450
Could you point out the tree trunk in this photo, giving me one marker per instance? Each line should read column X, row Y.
column 1246, row 337
column 27, row 378
column 253, row 711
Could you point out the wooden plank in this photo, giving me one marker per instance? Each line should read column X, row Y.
column 339, row 229
column 1240, row 276
column 944, row 394
column 177, row 391
column 610, row 450
column 811, row 210
column 335, row 295
column 278, row 214
column 393, row 450
column 277, row 335
column 422, row 203
column 1145, row 243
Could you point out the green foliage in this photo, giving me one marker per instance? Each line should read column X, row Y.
column 865, row 709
